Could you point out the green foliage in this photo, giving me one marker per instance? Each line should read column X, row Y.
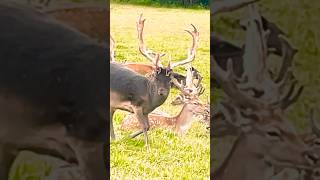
column 168, row 3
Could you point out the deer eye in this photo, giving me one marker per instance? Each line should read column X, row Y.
column 316, row 142
column 168, row 72
column 273, row 134
column 158, row 70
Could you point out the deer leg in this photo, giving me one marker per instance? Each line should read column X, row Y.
column 6, row 160
column 144, row 123
column 113, row 136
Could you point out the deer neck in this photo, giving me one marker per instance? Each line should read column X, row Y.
column 155, row 99
column 183, row 120
column 241, row 164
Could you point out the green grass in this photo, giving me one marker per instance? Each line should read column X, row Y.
column 170, row 157
column 203, row 4
column 299, row 19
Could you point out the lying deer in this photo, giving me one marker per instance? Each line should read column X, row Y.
column 254, row 105
column 180, row 123
column 138, row 94
column 312, row 140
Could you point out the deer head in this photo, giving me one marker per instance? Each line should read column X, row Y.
column 164, row 74
column 255, row 104
column 189, row 95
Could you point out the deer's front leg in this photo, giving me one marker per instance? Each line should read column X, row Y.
column 144, row 123
column 113, row 136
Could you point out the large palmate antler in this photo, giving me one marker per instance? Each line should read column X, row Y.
column 190, row 89
column 256, row 88
column 255, row 92
column 150, row 55
column 191, row 50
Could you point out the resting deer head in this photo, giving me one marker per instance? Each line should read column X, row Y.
column 254, row 108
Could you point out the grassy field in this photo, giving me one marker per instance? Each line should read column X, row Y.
column 170, row 157
column 299, row 20
column 203, row 4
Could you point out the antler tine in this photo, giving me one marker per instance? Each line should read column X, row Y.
column 189, row 79
column 112, row 51
column 200, row 90
column 199, row 80
column 192, row 49
column 255, row 52
column 293, row 98
column 226, row 80
column 288, row 55
column 230, row 5
column 179, row 86
column 142, row 47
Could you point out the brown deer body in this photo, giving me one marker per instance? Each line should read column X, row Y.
column 182, row 122
column 178, row 124
column 138, row 94
column 140, row 68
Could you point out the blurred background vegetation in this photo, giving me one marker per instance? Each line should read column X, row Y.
column 168, row 3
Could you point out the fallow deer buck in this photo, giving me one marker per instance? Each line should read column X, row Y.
column 138, row 94
column 145, row 69
column 255, row 105
column 182, row 122
column 312, row 139
column 53, row 91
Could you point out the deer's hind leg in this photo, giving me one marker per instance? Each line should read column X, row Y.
column 144, row 124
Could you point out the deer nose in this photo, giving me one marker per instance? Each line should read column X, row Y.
column 311, row 157
column 316, row 173
column 162, row 91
